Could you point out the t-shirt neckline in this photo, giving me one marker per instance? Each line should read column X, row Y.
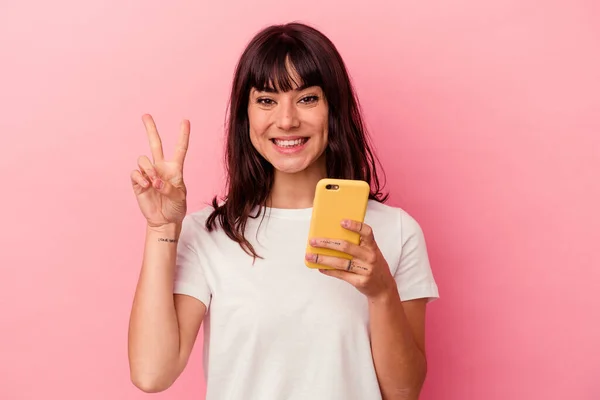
column 286, row 213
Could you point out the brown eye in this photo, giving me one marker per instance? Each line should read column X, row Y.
column 309, row 99
column 265, row 101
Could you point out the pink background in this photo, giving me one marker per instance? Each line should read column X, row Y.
column 486, row 117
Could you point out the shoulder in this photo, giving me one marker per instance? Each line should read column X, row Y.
column 393, row 220
column 194, row 223
column 199, row 216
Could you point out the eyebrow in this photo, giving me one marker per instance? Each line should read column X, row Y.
column 273, row 90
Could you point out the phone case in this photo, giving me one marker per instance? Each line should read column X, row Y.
column 331, row 205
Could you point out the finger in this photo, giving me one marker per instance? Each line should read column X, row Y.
column 342, row 264
column 140, row 184
column 183, row 142
column 167, row 189
column 339, row 245
column 153, row 138
column 365, row 231
column 353, row 279
column 147, row 168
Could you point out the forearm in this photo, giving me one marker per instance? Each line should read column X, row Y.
column 153, row 327
column 399, row 363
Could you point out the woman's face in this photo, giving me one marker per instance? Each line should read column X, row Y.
column 289, row 129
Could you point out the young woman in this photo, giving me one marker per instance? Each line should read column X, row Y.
column 273, row 328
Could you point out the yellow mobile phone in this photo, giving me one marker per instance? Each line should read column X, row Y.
column 335, row 200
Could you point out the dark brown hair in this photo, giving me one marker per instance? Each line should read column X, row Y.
column 263, row 64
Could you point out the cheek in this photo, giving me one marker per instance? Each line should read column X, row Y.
column 258, row 133
column 325, row 127
column 325, row 120
column 257, row 141
column 253, row 138
column 258, row 125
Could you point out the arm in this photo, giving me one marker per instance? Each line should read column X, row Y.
column 163, row 327
column 398, row 345
column 397, row 328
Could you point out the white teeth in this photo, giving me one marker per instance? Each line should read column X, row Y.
column 289, row 143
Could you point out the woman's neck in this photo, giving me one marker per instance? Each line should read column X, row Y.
column 296, row 190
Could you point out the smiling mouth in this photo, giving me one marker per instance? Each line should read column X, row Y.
column 288, row 144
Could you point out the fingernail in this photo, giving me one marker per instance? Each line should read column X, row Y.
column 345, row 223
column 159, row 184
column 313, row 242
column 145, row 183
column 309, row 257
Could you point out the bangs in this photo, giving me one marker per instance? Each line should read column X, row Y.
column 282, row 64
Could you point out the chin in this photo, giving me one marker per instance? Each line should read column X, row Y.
column 290, row 166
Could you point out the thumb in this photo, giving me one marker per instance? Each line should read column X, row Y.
column 167, row 189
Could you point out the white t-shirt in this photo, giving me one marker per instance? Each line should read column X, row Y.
column 277, row 330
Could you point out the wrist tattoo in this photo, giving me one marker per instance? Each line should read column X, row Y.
column 167, row 240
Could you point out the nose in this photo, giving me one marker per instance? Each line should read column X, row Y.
column 287, row 116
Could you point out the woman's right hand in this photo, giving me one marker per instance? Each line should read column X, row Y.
column 158, row 184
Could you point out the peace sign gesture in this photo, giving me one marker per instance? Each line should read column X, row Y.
column 158, row 184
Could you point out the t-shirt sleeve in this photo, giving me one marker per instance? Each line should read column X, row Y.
column 190, row 278
column 413, row 274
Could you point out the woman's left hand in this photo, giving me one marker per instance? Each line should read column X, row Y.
column 368, row 270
